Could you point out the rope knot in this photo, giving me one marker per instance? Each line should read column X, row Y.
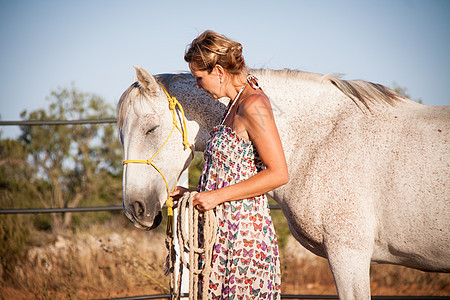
column 169, row 203
column 172, row 104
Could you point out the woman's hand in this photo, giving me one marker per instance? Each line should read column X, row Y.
column 177, row 193
column 205, row 201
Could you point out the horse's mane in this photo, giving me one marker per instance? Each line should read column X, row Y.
column 364, row 92
column 168, row 78
column 134, row 91
column 361, row 92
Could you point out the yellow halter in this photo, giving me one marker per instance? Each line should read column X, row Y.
column 173, row 103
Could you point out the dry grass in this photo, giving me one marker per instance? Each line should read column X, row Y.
column 305, row 273
column 110, row 261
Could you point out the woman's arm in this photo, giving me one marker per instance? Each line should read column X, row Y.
column 255, row 116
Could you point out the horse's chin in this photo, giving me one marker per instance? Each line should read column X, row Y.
column 143, row 224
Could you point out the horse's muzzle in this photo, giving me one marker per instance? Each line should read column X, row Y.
column 138, row 215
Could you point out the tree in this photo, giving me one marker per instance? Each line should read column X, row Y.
column 14, row 192
column 73, row 164
column 402, row 91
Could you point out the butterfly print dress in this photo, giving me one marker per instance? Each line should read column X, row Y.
column 245, row 256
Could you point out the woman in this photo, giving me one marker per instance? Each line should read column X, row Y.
column 244, row 159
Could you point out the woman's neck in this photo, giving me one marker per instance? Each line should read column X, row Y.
column 235, row 85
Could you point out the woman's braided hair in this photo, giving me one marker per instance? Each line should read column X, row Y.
column 210, row 49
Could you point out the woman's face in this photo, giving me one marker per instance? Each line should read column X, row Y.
column 209, row 82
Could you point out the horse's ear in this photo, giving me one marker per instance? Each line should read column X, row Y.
column 145, row 79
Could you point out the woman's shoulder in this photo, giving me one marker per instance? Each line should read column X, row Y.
column 255, row 101
column 255, row 112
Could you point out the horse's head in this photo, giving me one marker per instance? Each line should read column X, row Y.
column 153, row 149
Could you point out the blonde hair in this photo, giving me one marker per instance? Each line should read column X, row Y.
column 210, row 49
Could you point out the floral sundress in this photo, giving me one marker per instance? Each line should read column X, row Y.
column 245, row 263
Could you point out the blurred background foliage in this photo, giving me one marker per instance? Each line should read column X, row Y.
column 53, row 166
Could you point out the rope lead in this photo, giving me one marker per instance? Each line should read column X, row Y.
column 199, row 248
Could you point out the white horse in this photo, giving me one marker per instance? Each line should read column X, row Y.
column 369, row 169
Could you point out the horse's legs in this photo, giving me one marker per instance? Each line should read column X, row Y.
column 350, row 270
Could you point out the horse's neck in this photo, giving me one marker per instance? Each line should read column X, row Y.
column 202, row 111
column 292, row 105
column 298, row 105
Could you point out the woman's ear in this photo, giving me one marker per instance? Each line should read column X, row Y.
column 220, row 71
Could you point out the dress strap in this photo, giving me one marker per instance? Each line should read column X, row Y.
column 253, row 82
column 232, row 103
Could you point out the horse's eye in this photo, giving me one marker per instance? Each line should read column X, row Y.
column 151, row 130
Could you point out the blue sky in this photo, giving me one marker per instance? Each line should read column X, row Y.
column 94, row 44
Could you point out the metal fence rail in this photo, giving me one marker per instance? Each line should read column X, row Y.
column 57, row 122
column 71, row 209
column 290, row 296
column 58, row 210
